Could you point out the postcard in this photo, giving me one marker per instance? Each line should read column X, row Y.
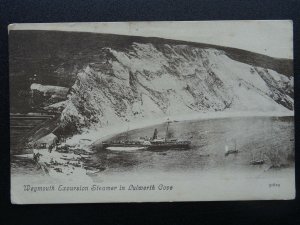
column 151, row 111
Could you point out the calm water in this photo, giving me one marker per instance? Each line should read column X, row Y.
column 255, row 138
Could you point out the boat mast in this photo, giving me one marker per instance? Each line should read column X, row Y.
column 168, row 122
column 154, row 134
column 127, row 132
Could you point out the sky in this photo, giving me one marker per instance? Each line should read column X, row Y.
column 269, row 37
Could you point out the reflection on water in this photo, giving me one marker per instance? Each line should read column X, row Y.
column 254, row 137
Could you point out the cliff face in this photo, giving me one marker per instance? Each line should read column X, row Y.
column 150, row 80
column 114, row 78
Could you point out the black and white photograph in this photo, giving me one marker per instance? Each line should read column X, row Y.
column 151, row 111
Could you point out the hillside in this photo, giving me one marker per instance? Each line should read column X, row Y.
column 115, row 78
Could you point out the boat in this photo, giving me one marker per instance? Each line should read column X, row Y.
column 160, row 144
column 124, row 144
column 231, row 151
column 119, row 145
column 257, row 159
column 257, row 162
column 153, row 144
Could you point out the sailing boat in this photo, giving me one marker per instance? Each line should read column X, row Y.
column 231, row 151
column 257, row 160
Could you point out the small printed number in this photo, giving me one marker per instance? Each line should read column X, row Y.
column 274, row 185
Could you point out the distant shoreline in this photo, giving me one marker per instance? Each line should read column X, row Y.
column 117, row 129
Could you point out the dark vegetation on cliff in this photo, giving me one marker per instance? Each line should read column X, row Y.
column 57, row 57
